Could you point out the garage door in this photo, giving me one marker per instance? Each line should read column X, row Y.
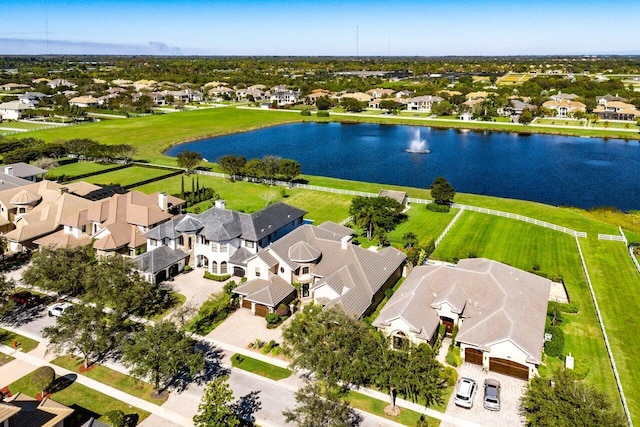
column 238, row 271
column 262, row 310
column 161, row 276
column 246, row 304
column 508, row 367
column 472, row 355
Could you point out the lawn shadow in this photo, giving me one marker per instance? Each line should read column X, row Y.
column 62, row 382
column 80, row 416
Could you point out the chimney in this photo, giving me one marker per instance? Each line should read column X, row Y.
column 163, row 201
column 344, row 241
column 64, row 190
column 220, row 204
column 8, row 170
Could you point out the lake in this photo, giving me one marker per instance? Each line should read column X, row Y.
column 557, row 170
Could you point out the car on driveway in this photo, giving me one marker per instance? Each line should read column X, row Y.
column 58, row 309
column 491, row 399
column 466, row 392
column 25, row 298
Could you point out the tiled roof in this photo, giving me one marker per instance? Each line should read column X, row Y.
column 34, row 413
column 241, row 256
column 158, row 259
column 266, row 292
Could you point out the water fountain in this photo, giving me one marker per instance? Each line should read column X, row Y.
column 417, row 145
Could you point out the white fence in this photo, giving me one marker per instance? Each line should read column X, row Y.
column 635, row 260
column 613, row 237
column 522, row 218
column 449, row 226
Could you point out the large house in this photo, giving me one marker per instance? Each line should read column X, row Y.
column 284, row 97
column 423, row 103
column 219, row 239
column 616, row 110
column 330, row 270
column 13, row 110
column 565, row 108
column 500, row 313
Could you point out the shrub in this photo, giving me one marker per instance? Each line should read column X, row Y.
column 450, row 375
column 554, row 314
column 270, row 345
column 230, row 286
column 555, row 346
column 187, row 268
column 216, row 277
column 322, row 113
column 388, row 293
column 213, row 311
column 571, row 308
column 276, row 351
column 282, row 310
column 434, row 207
column 453, row 356
column 116, row 418
column 305, row 112
column 43, row 378
column 273, row 320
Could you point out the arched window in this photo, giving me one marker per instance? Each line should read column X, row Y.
column 223, row 267
column 400, row 340
column 214, row 267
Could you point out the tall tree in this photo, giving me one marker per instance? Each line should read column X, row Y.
column 83, row 329
column 6, row 289
column 216, row 407
column 289, row 169
column 162, row 352
column 321, row 406
column 232, row 165
column 60, row 270
column 371, row 213
column 271, row 166
column 189, row 160
column 442, row 192
column 565, row 401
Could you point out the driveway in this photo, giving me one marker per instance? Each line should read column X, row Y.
column 195, row 287
column 242, row 328
column 511, row 391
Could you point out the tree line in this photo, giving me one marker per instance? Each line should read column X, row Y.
column 267, row 169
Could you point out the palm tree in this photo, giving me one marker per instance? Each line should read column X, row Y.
column 368, row 219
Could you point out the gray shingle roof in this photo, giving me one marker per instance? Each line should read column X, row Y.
column 266, row 221
column 158, row 259
column 22, row 170
column 332, row 227
column 168, row 229
column 241, row 256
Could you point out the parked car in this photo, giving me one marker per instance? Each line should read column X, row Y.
column 25, row 298
column 466, row 392
column 491, row 394
column 58, row 309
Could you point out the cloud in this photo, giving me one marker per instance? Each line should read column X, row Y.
column 17, row 46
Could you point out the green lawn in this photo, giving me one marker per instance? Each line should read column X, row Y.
column 8, row 338
column 126, row 176
column 616, row 282
column 85, row 401
column 260, row 368
column 4, row 359
column 424, row 223
column 375, row 406
column 79, row 168
column 23, row 125
column 178, row 299
column 522, row 245
column 125, row 383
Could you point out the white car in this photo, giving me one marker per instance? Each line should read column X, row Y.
column 58, row 309
column 466, row 392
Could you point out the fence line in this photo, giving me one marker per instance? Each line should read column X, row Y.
column 604, row 334
column 613, row 237
column 414, row 200
column 624, row 236
column 449, row 226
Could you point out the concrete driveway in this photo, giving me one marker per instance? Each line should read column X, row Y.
column 195, row 287
column 511, row 392
column 242, row 327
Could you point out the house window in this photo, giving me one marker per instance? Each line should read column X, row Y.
column 214, row 267
column 305, row 270
column 400, row 341
column 249, row 244
column 281, row 269
column 214, row 247
column 223, row 267
column 153, row 242
column 22, row 210
column 257, row 271
column 84, row 228
column 305, row 290
column 223, row 247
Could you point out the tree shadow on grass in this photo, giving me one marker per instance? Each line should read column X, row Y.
column 62, row 383
column 246, row 406
column 80, row 416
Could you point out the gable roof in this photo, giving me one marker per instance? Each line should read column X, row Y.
column 266, row 292
column 23, row 170
column 398, row 196
column 158, row 259
column 498, row 302
column 34, row 413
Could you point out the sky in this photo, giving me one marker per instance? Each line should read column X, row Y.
column 325, row 28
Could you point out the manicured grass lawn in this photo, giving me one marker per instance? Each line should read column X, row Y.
column 79, row 168
column 23, row 125
column 126, row 176
column 616, row 282
column 522, row 245
column 260, row 368
column 375, row 406
column 26, row 344
column 111, row 378
column 85, row 401
column 320, row 208
column 425, row 224
column 4, row 359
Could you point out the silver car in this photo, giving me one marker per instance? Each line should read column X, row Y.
column 491, row 395
column 466, row 392
column 57, row 310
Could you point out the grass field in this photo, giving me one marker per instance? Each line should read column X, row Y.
column 79, row 168
column 26, row 344
column 86, row 402
column 522, row 245
column 126, row 176
column 375, row 406
column 23, row 125
column 425, row 224
column 4, row 359
column 111, row 378
column 616, row 282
